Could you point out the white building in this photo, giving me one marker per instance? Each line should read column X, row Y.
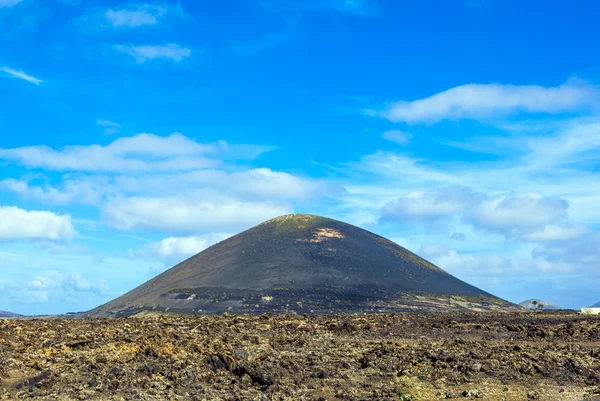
column 590, row 311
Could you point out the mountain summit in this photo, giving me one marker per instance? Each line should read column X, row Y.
column 534, row 303
column 302, row 263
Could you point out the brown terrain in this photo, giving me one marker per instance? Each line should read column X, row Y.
column 437, row 356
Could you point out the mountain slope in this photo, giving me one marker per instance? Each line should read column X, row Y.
column 8, row 314
column 596, row 305
column 297, row 263
column 528, row 304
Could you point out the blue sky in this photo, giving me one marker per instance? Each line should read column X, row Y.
column 135, row 134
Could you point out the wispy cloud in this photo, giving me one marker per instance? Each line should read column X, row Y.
column 140, row 153
column 267, row 41
column 110, row 127
column 9, row 3
column 480, row 101
column 170, row 51
column 354, row 7
column 400, row 137
column 21, row 75
column 142, row 14
column 135, row 15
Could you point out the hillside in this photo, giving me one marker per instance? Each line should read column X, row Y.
column 596, row 305
column 528, row 304
column 302, row 263
column 8, row 314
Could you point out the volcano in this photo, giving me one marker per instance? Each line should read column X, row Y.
column 302, row 264
column 529, row 304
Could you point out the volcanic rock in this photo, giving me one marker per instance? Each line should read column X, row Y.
column 302, row 264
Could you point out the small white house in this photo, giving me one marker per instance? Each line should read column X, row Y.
column 590, row 311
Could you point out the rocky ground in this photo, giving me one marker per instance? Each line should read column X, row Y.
column 489, row 356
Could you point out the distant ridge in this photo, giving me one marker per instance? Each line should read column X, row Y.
column 596, row 305
column 529, row 304
column 9, row 314
column 302, row 264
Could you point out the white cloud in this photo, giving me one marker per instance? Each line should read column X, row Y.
column 253, row 184
column 400, row 137
column 530, row 217
column 19, row 224
column 173, row 250
column 400, row 170
column 558, row 232
column 21, row 75
column 84, row 191
column 40, row 280
column 569, row 144
column 552, row 159
column 518, row 216
column 140, row 153
column 582, row 253
column 355, row 7
column 190, row 214
column 9, row 3
column 110, row 127
column 51, row 284
column 480, row 101
column 261, row 182
column 135, row 15
column 143, row 53
column 435, row 204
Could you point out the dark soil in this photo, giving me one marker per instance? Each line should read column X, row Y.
column 304, row 263
column 493, row 356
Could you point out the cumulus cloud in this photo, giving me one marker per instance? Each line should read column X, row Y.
column 143, row 53
column 173, row 250
column 518, row 216
column 562, row 271
column 51, row 283
column 400, row 137
column 530, row 217
column 480, row 101
column 430, row 205
column 19, row 224
column 140, row 153
column 188, row 215
column 21, row 75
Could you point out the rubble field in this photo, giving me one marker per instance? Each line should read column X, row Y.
column 489, row 356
